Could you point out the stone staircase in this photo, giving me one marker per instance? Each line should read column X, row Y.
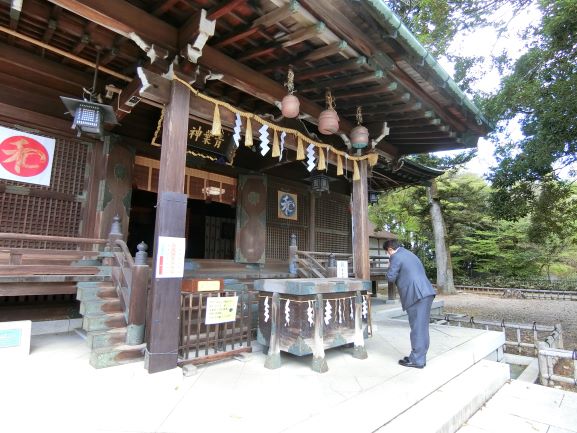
column 105, row 325
column 447, row 408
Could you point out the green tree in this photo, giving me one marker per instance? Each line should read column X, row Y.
column 540, row 93
column 553, row 223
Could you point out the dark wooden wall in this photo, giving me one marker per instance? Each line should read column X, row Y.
column 58, row 209
column 323, row 223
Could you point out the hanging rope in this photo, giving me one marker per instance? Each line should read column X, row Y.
column 290, row 83
column 359, row 116
column 330, row 100
column 371, row 158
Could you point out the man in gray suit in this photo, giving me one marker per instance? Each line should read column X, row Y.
column 417, row 294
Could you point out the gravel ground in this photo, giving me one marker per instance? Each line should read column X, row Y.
column 544, row 312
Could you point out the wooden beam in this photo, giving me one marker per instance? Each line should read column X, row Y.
column 277, row 15
column 127, row 99
column 15, row 11
column 303, row 35
column 192, row 36
column 343, row 27
column 373, row 90
column 52, row 23
column 375, row 106
column 44, row 70
column 343, row 66
column 323, row 52
column 350, row 80
column 163, row 7
column 222, row 10
column 411, row 123
column 426, row 130
column 246, row 32
column 128, row 20
column 16, row 115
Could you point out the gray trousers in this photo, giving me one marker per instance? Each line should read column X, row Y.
column 419, row 314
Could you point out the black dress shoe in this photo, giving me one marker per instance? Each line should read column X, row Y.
column 408, row 363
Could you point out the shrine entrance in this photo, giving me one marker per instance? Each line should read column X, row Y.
column 210, row 226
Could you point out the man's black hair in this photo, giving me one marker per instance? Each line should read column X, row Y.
column 391, row 243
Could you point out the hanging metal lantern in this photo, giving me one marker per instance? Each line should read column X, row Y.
column 89, row 116
column 320, row 183
column 373, row 197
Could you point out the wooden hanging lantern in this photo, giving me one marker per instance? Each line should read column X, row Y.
column 290, row 105
column 359, row 134
column 329, row 119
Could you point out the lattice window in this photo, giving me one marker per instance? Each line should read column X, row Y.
column 333, row 242
column 333, row 212
column 333, row 224
column 278, row 239
column 47, row 210
column 280, row 229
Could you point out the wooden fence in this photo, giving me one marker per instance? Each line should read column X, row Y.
column 200, row 342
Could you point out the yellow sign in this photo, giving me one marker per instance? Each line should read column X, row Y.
column 220, row 309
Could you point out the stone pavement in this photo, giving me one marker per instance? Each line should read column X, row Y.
column 56, row 390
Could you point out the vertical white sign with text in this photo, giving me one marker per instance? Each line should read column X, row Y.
column 342, row 269
column 170, row 257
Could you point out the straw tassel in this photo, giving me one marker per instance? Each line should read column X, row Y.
column 372, row 158
column 300, row 149
column 356, row 174
column 275, row 145
column 248, row 133
column 216, row 126
column 321, row 165
column 339, row 165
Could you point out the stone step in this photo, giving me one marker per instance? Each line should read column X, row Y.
column 446, row 409
column 95, row 290
column 526, row 407
column 116, row 355
column 110, row 337
column 101, row 306
column 103, row 322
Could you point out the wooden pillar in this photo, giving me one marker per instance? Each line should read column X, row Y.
column 164, row 310
column 312, row 222
column 360, row 216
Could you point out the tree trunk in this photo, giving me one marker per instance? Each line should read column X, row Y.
column 445, row 282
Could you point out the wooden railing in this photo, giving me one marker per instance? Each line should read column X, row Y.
column 37, row 271
column 131, row 279
column 47, row 272
column 316, row 264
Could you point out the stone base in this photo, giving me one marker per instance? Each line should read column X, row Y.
column 320, row 365
column 272, row 361
column 360, row 352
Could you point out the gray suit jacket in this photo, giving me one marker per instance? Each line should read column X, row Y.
column 408, row 273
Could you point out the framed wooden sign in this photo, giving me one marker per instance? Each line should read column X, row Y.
column 287, row 206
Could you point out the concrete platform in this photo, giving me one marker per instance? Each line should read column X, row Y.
column 522, row 407
column 56, row 390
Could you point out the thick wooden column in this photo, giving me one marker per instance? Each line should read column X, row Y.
column 164, row 309
column 360, row 215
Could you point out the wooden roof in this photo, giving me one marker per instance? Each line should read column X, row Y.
column 366, row 58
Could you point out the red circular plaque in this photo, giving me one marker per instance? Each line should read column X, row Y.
column 23, row 156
